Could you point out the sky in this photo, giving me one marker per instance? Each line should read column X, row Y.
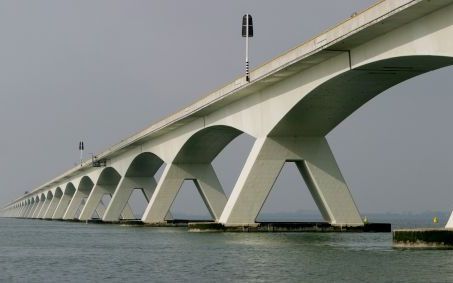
column 100, row 71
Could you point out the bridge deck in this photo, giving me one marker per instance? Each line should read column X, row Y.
column 359, row 28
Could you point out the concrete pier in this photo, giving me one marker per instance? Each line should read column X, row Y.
column 289, row 227
column 423, row 238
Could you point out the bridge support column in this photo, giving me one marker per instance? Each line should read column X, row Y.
column 44, row 208
column 120, row 198
column 21, row 210
column 92, row 202
column 317, row 165
column 206, row 181
column 52, row 206
column 25, row 211
column 74, row 204
column 450, row 222
column 38, row 209
column 62, row 206
column 32, row 210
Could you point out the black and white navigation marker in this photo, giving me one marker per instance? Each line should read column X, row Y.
column 247, row 31
column 81, row 148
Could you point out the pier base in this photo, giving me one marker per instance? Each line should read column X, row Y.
column 289, row 227
column 423, row 238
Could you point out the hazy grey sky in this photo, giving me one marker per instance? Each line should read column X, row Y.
column 103, row 70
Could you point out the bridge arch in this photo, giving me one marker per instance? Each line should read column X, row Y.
column 204, row 145
column 193, row 162
column 58, row 192
column 299, row 136
column 139, row 175
column 326, row 106
column 145, row 164
column 105, row 185
column 65, row 195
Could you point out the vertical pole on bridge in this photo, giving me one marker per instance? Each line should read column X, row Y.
column 81, row 148
column 247, row 31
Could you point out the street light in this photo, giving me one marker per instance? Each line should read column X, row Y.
column 247, row 31
column 81, row 148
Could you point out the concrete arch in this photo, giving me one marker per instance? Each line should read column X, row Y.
column 58, row 192
column 49, row 194
column 193, row 162
column 65, row 195
column 139, row 175
column 321, row 110
column 41, row 198
column 47, row 204
column 204, row 145
column 75, row 196
column 56, row 195
column 85, row 184
column 300, row 136
column 145, row 164
column 31, row 204
column 106, row 184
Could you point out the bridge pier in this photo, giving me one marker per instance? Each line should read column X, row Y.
column 38, row 209
column 62, row 206
column 21, row 210
column 94, row 203
column 318, row 167
column 31, row 210
column 120, row 198
column 450, row 222
column 44, row 207
column 51, row 208
column 26, row 209
column 74, row 204
column 205, row 179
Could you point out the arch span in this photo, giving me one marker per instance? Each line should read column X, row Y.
column 321, row 110
column 41, row 205
column 139, row 175
column 72, row 198
column 193, row 162
column 206, row 144
column 300, row 136
column 106, row 184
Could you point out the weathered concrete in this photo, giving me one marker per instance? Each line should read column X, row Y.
column 423, row 238
column 289, row 227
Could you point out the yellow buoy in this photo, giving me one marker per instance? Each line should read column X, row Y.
column 435, row 220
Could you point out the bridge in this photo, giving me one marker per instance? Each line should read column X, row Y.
column 289, row 106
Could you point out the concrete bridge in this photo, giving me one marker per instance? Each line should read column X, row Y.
column 289, row 106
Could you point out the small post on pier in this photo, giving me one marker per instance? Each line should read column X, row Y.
column 247, row 31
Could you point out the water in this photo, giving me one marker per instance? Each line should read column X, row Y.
column 45, row 251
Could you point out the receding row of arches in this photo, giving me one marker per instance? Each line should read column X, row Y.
column 313, row 116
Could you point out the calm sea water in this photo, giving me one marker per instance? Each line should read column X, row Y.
column 45, row 251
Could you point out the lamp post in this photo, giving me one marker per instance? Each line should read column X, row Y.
column 247, row 31
column 81, row 148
